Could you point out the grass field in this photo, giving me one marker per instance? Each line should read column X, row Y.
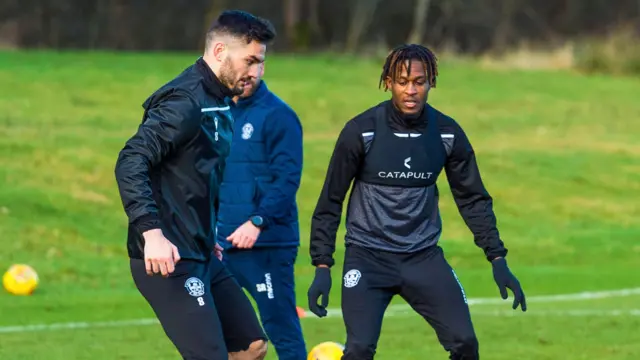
column 559, row 152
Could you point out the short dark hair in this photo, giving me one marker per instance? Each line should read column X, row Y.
column 243, row 25
column 397, row 57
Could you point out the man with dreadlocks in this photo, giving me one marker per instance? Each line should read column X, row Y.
column 394, row 153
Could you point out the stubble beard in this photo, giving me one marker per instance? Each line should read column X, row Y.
column 228, row 78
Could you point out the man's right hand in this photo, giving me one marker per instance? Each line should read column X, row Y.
column 320, row 287
column 160, row 255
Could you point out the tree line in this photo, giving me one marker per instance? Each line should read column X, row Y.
column 465, row 26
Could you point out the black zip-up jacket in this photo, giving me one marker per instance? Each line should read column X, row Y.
column 369, row 203
column 168, row 172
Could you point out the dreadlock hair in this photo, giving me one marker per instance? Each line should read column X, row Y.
column 408, row 52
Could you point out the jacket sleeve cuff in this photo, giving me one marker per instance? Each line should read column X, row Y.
column 494, row 254
column 146, row 222
column 323, row 260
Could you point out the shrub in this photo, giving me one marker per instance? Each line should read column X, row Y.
column 618, row 53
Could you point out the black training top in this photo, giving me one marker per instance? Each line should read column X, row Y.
column 394, row 201
column 168, row 173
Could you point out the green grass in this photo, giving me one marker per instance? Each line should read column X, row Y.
column 558, row 151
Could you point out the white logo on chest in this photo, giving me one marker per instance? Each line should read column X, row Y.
column 405, row 174
column 247, row 131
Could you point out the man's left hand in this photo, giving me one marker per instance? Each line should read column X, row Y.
column 506, row 280
column 245, row 236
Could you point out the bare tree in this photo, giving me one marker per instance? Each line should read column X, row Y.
column 291, row 21
column 420, row 15
column 362, row 15
column 314, row 19
column 504, row 28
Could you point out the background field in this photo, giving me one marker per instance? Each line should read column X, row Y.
column 559, row 152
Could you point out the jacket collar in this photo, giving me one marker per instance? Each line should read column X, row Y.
column 405, row 122
column 212, row 83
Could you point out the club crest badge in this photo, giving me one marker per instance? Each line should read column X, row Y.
column 247, row 131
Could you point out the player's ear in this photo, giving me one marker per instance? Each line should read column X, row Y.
column 219, row 50
column 387, row 82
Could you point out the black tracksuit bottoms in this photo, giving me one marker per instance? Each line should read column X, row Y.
column 201, row 307
column 424, row 279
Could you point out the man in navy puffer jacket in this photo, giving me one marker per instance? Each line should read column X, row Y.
column 257, row 221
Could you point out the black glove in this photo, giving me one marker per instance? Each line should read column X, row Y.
column 505, row 279
column 321, row 286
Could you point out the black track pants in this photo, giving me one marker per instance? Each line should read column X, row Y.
column 201, row 308
column 423, row 279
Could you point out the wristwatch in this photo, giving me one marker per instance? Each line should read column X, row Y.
column 257, row 221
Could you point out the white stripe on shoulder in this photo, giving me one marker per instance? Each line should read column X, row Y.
column 365, row 134
column 447, row 136
column 209, row 109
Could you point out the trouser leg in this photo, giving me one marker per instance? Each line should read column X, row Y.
column 243, row 334
column 432, row 289
column 184, row 305
column 268, row 275
column 367, row 289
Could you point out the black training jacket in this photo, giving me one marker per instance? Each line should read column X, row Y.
column 393, row 219
column 169, row 171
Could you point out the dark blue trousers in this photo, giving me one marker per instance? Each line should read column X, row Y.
column 268, row 275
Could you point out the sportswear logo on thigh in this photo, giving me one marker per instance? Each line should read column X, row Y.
column 266, row 286
column 351, row 278
column 194, row 286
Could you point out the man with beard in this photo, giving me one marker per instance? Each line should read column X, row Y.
column 394, row 153
column 168, row 175
column 258, row 217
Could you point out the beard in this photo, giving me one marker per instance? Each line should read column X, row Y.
column 230, row 78
column 250, row 88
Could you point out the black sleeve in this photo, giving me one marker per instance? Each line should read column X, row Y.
column 168, row 124
column 471, row 197
column 343, row 166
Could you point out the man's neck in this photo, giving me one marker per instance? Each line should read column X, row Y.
column 211, row 80
column 405, row 121
column 213, row 65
